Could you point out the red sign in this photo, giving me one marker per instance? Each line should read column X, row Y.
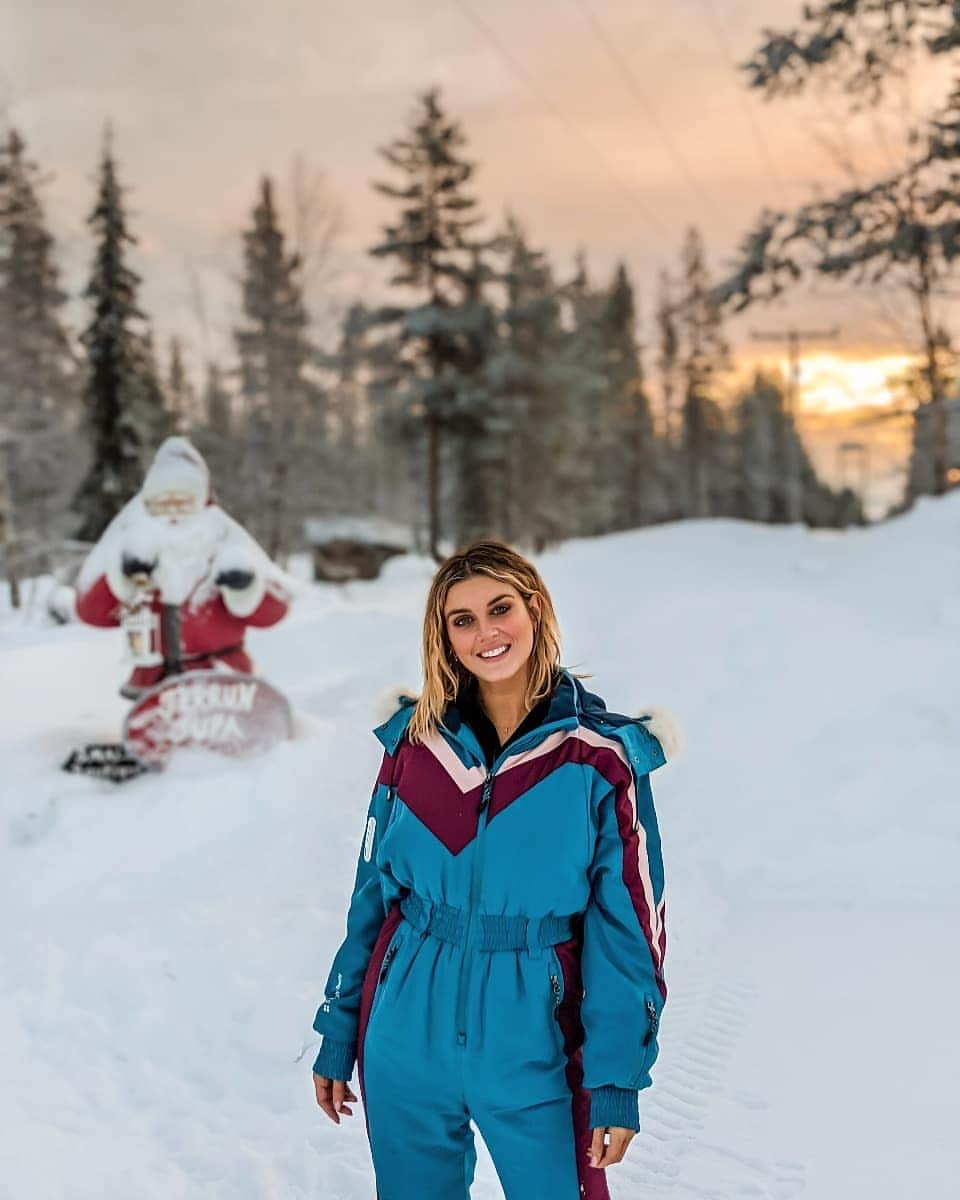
column 223, row 711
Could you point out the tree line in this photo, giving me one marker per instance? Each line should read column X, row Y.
column 486, row 393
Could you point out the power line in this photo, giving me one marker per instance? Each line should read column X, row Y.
column 635, row 89
column 723, row 42
column 517, row 67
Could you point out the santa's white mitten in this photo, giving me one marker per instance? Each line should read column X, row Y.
column 241, row 587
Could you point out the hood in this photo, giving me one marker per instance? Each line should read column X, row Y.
column 651, row 737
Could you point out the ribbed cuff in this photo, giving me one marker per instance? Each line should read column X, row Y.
column 614, row 1106
column 335, row 1060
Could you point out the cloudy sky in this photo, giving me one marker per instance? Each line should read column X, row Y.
column 606, row 124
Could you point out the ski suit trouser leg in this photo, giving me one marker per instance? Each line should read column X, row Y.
column 422, row 1143
column 508, row 1060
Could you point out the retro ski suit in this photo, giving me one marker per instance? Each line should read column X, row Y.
column 503, row 960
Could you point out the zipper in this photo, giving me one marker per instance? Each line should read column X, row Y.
column 533, row 737
column 653, row 1021
column 483, row 811
column 391, row 954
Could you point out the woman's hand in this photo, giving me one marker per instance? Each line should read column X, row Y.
column 605, row 1156
column 331, row 1094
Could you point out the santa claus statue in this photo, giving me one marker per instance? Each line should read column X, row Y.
column 182, row 577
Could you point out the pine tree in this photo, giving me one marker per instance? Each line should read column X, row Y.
column 38, row 369
column 181, row 397
column 525, row 380
column 217, row 407
column 124, row 403
column 430, row 343
column 584, row 505
column 703, row 354
column 901, row 228
column 278, row 396
column 630, row 450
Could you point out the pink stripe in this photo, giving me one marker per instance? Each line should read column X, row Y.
column 608, row 756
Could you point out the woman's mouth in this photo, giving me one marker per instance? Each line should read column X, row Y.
column 495, row 652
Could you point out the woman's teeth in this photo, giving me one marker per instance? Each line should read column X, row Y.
column 499, row 652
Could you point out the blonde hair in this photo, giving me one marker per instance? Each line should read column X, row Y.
column 443, row 672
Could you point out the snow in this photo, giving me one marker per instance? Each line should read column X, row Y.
column 166, row 942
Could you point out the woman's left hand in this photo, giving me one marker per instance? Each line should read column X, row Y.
column 605, row 1156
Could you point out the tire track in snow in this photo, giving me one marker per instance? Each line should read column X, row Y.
column 676, row 1155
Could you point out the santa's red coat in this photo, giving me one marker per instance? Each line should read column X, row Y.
column 210, row 635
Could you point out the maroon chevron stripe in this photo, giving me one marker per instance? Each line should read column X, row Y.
column 426, row 788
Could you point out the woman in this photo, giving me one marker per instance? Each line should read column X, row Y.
column 503, row 960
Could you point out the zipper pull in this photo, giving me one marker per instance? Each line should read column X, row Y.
column 485, row 794
column 653, row 1020
column 386, row 963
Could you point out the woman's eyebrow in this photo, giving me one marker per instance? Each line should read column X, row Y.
column 456, row 611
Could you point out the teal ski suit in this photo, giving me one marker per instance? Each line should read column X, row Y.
column 503, row 960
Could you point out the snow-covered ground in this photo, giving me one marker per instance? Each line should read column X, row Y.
column 164, row 944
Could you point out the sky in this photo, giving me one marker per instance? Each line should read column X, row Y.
column 602, row 124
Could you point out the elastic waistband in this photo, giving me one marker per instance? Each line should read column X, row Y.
column 449, row 924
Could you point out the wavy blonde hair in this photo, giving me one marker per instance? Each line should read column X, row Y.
column 443, row 672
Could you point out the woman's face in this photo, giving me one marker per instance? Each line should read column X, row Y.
column 481, row 614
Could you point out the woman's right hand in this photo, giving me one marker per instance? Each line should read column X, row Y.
column 331, row 1094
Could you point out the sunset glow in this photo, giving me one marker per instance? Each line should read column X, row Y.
column 835, row 383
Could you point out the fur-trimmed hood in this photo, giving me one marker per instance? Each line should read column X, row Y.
column 657, row 721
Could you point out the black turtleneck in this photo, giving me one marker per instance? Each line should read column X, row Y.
column 471, row 711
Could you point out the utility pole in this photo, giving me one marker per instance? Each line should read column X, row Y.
column 791, row 434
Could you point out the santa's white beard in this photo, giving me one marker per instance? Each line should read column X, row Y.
column 184, row 554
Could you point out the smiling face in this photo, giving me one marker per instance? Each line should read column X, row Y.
column 483, row 615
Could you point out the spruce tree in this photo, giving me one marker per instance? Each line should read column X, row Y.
column 902, row 228
column 38, row 368
column 274, row 351
column 123, row 400
column 631, row 458
column 703, row 354
column 181, row 397
column 526, row 381
column 431, row 341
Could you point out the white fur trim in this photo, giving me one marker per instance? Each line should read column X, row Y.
column 389, row 701
column 242, row 602
column 666, row 729
column 122, row 587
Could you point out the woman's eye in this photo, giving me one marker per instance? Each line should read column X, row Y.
column 496, row 608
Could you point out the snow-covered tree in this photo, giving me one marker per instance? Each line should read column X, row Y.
column 525, row 382
column 278, row 394
column 431, row 339
column 703, row 355
column 631, row 453
column 124, row 403
column 900, row 230
column 38, row 367
column 181, row 396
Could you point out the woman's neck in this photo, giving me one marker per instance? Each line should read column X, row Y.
column 504, row 703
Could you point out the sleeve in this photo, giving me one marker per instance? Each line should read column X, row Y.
column 339, row 1012
column 99, row 604
column 624, row 940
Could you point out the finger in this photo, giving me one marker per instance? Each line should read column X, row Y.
column 348, row 1093
column 339, row 1088
column 619, row 1141
column 322, row 1086
column 596, row 1147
